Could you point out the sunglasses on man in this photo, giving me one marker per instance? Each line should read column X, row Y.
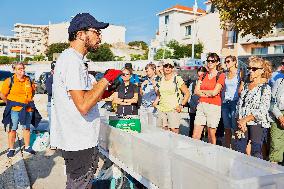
column 253, row 68
column 96, row 31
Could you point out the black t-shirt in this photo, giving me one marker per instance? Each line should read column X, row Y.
column 127, row 92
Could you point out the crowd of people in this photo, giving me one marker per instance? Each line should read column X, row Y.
column 249, row 106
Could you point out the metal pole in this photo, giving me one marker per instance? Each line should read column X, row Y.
column 20, row 44
column 194, row 28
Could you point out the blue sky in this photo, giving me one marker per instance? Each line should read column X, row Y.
column 138, row 16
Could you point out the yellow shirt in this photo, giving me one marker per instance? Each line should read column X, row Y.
column 21, row 91
column 168, row 95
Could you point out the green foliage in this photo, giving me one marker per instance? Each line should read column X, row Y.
column 136, row 57
column 255, row 17
column 141, row 44
column 4, row 60
column 180, row 51
column 8, row 60
column 119, row 58
column 26, row 59
column 145, row 56
column 163, row 53
column 103, row 53
column 55, row 48
column 39, row 57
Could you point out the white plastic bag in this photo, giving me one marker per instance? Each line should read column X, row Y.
column 40, row 141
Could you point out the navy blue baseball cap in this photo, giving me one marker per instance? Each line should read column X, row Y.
column 85, row 20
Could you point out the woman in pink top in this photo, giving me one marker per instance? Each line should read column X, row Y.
column 208, row 88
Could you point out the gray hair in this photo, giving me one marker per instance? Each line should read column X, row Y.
column 16, row 64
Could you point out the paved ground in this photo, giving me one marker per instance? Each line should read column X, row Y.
column 13, row 173
column 45, row 170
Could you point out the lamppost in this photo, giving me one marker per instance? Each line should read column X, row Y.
column 194, row 28
column 20, row 44
column 165, row 41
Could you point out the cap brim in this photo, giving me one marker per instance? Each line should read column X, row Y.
column 101, row 25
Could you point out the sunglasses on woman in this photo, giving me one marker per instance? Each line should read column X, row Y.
column 125, row 74
column 254, row 68
column 167, row 66
column 213, row 61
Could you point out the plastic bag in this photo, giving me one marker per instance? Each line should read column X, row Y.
column 39, row 140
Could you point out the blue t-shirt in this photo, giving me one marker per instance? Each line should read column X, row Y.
column 275, row 75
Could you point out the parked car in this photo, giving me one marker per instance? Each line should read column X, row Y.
column 192, row 64
column 4, row 75
column 31, row 75
column 40, row 83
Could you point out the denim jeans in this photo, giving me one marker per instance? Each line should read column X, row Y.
column 257, row 135
column 49, row 115
column 15, row 120
column 229, row 114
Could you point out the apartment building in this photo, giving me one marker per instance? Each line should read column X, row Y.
column 186, row 28
column 169, row 26
column 58, row 33
column 30, row 40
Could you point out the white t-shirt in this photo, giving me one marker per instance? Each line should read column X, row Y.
column 70, row 130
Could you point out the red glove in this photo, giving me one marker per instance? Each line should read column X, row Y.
column 112, row 74
column 107, row 94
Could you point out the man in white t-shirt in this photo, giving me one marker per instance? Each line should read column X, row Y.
column 75, row 117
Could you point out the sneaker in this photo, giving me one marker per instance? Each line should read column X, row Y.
column 29, row 150
column 11, row 153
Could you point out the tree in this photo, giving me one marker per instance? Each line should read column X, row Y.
column 55, row 48
column 163, row 53
column 103, row 53
column 4, row 60
column 256, row 17
column 183, row 51
column 28, row 59
column 141, row 44
column 39, row 57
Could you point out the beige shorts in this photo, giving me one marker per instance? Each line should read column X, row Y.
column 207, row 114
column 169, row 119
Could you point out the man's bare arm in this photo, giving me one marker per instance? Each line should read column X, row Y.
column 85, row 100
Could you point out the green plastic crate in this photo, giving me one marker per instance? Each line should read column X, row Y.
column 128, row 123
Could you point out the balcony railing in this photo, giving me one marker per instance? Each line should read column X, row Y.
column 275, row 35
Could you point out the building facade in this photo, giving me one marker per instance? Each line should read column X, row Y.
column 58, row 33
column 205, row 27
column 170, row 26
column 30, row 40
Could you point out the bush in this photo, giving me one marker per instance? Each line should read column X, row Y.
column 28, row 59
column 4, row 60
column 55, row 48
column 103, row 53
